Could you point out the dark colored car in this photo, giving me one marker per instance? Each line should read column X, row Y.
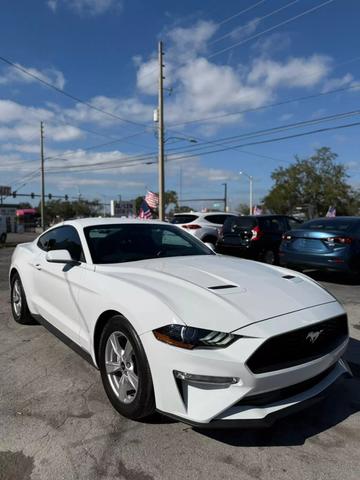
column 325, row 244
column 255, row 236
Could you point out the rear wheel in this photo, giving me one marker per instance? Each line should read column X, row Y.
column 125, row 371
column 19, row 306
column 269, row 256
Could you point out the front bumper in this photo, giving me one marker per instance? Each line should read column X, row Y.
column 212, row 404
column 253, row 417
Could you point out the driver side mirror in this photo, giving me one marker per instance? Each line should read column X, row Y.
column 60, row 256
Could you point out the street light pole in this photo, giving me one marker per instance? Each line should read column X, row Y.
column 161, row 136
column 251, row 178
column 42, row 208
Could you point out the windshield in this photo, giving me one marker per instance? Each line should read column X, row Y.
column 186, row 218
column 234, row 224
column 328, row 224
column 118, row 243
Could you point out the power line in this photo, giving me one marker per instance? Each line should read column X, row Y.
column 260, row 19
column 222, row 141
column 271, row 140
column 228, row 19
column 241, row 42
column 176, row 158
column 67, row 94
column 269, row 105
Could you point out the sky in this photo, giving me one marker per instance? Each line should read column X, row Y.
column 227, row 66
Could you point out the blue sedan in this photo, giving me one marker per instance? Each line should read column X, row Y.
column 324, row 244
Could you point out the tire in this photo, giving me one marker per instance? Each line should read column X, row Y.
column 19, row 306
column 3, row 238
column 126, row 377
column 269, row 257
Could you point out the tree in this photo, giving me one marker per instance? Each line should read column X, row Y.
column 316, row 183
column 57, row 210
column 171, row 198
column 243, row 208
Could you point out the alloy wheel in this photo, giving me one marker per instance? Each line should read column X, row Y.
column 121, row 367
column 16, row 297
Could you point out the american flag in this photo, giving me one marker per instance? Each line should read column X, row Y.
column 152, row 199
column 331, row 212
column 145, row 211
column 257, row 210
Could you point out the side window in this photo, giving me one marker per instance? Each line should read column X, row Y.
column 293, row 223
column 63, row 238
column 217, row 219
column 273, row 225
column 170, row 239
column 43, row 241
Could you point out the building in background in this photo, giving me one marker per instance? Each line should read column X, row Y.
column 122, row 208
column 8, row 211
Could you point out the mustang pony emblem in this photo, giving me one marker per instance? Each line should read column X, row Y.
column 313, row 336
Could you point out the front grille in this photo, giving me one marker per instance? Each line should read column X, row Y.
column 299, row 346
column 275, row 396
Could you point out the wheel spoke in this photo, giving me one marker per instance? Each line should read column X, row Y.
column 133, row 380
column 127, row 353
column 112, row 367
column 115, row 345
column 123, row 388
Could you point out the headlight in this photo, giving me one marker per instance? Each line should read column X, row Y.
column 190, row 337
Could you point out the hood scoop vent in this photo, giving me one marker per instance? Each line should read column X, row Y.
column 221, row 287
column 293, row 278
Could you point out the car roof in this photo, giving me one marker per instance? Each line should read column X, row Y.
column 89, row 222
column 204, row 213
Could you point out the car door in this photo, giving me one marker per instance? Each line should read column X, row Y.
column 56, row 285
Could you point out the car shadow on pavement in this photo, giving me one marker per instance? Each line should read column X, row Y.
column 342, row 402
column 333, row 277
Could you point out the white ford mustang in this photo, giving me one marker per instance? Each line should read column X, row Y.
column 173, row 327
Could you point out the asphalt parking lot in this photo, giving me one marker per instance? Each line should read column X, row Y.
column 56, row 422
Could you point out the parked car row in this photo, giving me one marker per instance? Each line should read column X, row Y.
column 255, row 236
column 323, row 243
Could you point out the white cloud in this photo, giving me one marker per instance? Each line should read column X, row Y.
column 129, row 108
column 20, row 122
column 285, row 117
column 335, row 83
column 245, row 30
column 296, row 72
column 11, row 75
column 87, row 7
column 272, row 44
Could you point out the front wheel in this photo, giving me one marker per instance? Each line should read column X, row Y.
column 19, row 306
column 125, row 371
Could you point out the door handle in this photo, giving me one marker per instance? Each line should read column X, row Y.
column 37, row 266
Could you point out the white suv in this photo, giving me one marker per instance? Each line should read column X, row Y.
column 205, row 226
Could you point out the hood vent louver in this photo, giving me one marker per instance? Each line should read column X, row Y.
column 220, row 287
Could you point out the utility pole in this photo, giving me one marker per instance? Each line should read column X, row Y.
column 42, row 176
column 161, row 136
column 225, row 197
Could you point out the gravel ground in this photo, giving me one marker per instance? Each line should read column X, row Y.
column 56, row 422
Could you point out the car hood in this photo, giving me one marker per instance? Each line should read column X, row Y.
column 245, row 291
